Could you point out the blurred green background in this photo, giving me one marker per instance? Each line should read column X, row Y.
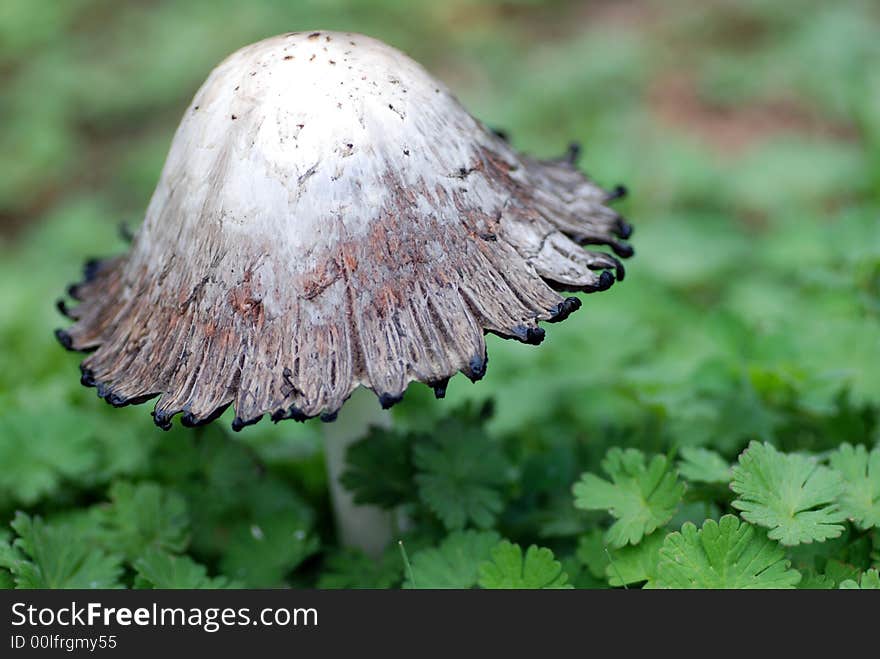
column 748, row 133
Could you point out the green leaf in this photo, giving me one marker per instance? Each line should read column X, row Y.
column 724, row 554
column 7, row 554
column 850, row 548
column 40, row 451
column 6, row 580
column 579, row 576
column 263, row 553
column 636, row 563
column 812, row 580
column 591, row 552
column 839, row 571
column 7, row 559
column 459, row 472
column 642, row 498
column 792, row 495
column 870, row 581
column 159, row 569
column 455, row 563
column 145, row 516
column 352, row 568
column 381, row 452
column 508, row 568
column 701, row 465
column 860, row 500
column 49, row 556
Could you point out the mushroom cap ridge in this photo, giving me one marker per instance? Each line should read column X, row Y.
column 329, row 216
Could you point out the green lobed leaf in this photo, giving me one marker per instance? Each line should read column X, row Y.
column 702, row 465
column 262, row 553
column 455, row 563
column 727, row 554
column 40, row 451
column 641, row 497
column 159, row 569
column 635, row 564
column 382, row 452
column 6, row 580
column 839, row 571
column 509, row 569
column 591, row 552
column 49, row 556
column 870, row 580
column 7, row 559
column 812, row 580
column 145, row 516
column 352, row 568
column 460, row 470
column 860, row 500
column 792, row 495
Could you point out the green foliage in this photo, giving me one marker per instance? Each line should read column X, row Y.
column 701, row 465
column 636, row 564
column 508, row 568
column 732, row 553
column 724, row 554
column 751, row 312
column 158, row 569
column 792, row 495
column 641, row 497
column 592, row 552
column 350, row 568
column 144, row 517
column 459, row 472
column 134, row 540
column 34, row 463
column 52, row 556
column 262, row 554
column 380, row 452
column 455, row 563
column 860, row 501
column 870, row 580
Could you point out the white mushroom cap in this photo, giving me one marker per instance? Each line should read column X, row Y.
column 329, row 216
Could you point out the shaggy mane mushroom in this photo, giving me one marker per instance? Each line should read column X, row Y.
column 329, row 216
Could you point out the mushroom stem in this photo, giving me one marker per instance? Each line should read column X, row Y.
column 363, row 527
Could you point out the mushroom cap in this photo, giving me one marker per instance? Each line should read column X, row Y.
column 330, row 216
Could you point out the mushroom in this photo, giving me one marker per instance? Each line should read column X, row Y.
column 330, row 217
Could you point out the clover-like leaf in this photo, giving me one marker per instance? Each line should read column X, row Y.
column 159, row 569
column 792, row 495
column 860, row 499
column 50, row 556
column 870, row 580
column 508, row 568
column 144, row 516
column 726, row 554
column 701, row 465
column 641, row 497
column 459, row 472
column 455, row 563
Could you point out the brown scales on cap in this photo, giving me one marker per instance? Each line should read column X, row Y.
column 297, row 253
